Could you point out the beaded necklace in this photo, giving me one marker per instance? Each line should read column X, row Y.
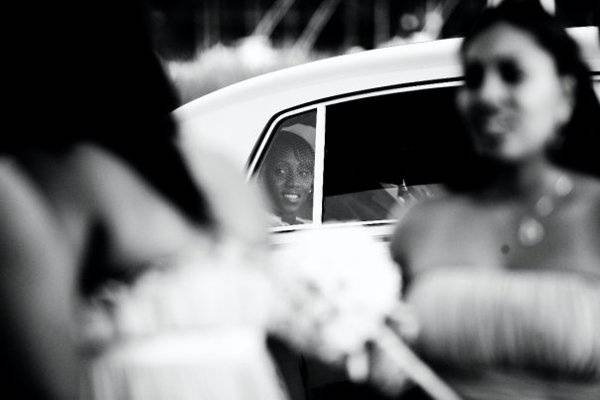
column 531, row 230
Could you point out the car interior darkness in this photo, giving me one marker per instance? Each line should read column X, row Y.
column 399, row 140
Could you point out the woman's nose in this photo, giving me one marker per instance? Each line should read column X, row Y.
column 492, row 90
column 290, row 180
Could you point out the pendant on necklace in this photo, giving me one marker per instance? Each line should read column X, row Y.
column 531, row 232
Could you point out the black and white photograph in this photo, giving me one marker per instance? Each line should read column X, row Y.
column 300, row 200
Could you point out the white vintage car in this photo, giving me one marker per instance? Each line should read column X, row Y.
column 381, row 124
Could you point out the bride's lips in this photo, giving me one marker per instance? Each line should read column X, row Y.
column 291, row 197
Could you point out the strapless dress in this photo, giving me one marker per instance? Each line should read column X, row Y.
column 195, row 332
column 511, row 335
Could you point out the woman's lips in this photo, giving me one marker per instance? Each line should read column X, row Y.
column 495, row 124
column 291, row 197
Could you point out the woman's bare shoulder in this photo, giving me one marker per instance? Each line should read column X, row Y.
column 17, row 189
column 431, row 211
column 587, row 184
column 114, row 188
column 25, row 215
column 142, row 223
column 422, row 219
column 589, row 194
column 103, row 170
column 586, row 190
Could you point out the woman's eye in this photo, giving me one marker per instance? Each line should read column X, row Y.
column 510, row 72
column 280, row 171
column 473, row 75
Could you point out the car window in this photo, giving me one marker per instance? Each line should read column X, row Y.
column 388, row 151
column 287, row 170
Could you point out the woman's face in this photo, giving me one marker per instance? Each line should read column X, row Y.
column 289, row 181
column 513, row 100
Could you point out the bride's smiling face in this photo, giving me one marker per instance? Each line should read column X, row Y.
column 514, row 100
column 289, row 180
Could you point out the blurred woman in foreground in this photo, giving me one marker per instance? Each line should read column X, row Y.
column 504, row 274
column 93, row 191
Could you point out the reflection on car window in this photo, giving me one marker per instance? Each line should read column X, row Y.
column 388, row 151
column 287, row 170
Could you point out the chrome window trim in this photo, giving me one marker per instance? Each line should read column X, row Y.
column 417, row 86
column 319, row 167
column 252, row 168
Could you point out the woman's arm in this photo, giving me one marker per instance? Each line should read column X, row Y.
column 36, row 288
column 143, row 225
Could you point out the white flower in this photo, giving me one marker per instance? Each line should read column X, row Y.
column 335, row 289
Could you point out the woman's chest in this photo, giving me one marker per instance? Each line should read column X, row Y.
column 509, row 238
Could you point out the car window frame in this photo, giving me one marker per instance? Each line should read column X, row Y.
column 320, row 106
column 260, row 151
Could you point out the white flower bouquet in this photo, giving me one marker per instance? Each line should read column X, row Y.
column 339, row 291
column 335, row 288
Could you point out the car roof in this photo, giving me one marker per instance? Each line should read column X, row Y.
column 231, row 119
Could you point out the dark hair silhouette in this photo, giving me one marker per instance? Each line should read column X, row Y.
column 91, row 70
column 581, row 135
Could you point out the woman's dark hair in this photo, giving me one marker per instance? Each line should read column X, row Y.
column 89, row 74
column 580, row 137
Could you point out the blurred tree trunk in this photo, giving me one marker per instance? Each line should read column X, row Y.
column 315, row 25
column 352, row 18
column 211, row 21
column 381, row 22
column 272, row 17
column 253, row 13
